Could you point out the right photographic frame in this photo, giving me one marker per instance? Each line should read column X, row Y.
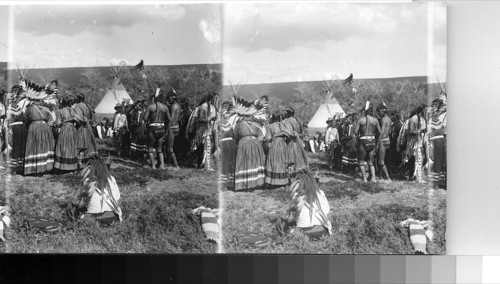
column 332, row 128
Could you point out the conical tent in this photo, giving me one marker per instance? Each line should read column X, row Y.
column 328, row 108
column 116, row 94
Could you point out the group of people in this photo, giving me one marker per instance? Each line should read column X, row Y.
column 166, row 129
column 380, row 142
column 259, row 147
column 45, row 133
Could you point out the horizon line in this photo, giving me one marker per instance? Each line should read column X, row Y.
column 319, row 80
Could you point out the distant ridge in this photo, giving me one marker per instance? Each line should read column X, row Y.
column 73, row 75
column 285, row 90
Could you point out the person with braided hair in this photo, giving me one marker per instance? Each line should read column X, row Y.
column 297, row 158
column 85, row 141
column 417, row 127
column 276, row 170
column 384, row 140
column 66, row 156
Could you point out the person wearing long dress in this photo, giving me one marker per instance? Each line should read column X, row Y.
column 250, row 158
column 297, row 158
column 138, row 146
column 66, row 156
column 349, row 151
column 39, row 157
column 276, row 167
column 17, row 126
column 228, row 152
column 85, row 140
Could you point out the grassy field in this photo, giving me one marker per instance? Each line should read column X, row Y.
column 365, row 216
column 156, row 209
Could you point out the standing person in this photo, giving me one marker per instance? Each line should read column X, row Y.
column 100, row 129
column 39, row 157
column 395, row 156
column 138, row 132
column 66, row 156
column 297, row 158
column 385, row 142
column 227, row 148
column 437, row 137
column 276, row 168
column 16, row 124
column 206, row 117
column 174, row 127
column 331, row 141
column 321, row 141
column 181, row 144
column 349, row 151
column 3, row 115
column 85, row 140
column 366, row 128
column 337, row 157
column 417, row 127
column 250, row 158
column 120, row 127
column 108, row 125
column 156, row 117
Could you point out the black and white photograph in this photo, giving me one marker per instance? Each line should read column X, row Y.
column 107, row 128
column 333, row 128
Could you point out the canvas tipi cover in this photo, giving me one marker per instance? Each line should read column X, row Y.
column 116, row 94
column 328, row 108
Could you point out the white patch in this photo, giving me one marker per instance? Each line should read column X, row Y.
column 211, row 31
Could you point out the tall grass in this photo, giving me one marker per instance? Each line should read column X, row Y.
column 156, row 209
column 365, row 217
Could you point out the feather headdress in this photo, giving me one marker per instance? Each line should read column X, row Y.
column 367, row 105
column 304, row 190
column 96, row 178
column 32, row 91
column 242, row 107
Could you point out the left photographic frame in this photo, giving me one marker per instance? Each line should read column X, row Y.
column 107, row 128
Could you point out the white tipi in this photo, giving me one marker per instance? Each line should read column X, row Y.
column 116, row 94
column 328, row 108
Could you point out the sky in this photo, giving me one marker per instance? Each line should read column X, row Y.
column 287, row 42
column 52, row 36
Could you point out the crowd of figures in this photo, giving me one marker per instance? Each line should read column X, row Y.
column 382, row 142
column 262, row 146
column 42, row 132
column 259, row 147
column 166, row 129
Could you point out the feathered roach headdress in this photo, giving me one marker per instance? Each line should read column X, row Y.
column 262, row 102
column 52, row 87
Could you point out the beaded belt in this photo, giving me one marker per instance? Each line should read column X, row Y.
column 157, row 124
column 437, row 137
column 367, row 137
